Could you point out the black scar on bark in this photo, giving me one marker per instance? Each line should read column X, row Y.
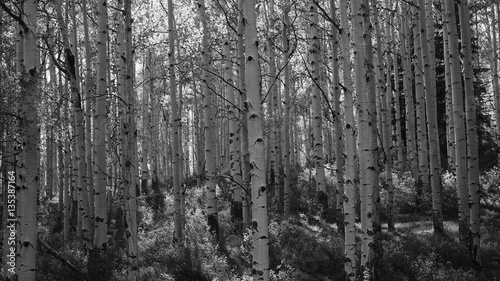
column 213, row 224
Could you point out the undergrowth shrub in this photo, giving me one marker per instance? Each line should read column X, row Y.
column 425, row 257
column 302, row 251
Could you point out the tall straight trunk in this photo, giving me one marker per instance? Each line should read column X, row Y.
column 496, row 87
column 234, row 136
column 209, row 120
column 450, row 127
column 426, row 20
column 130, row 151
column 387, row 121
column 67, row 160
column 472, row 142
column 338, row 138
column 145, row 123
column 286, row 122
column 423, row 151
column 459, row 123
column 384, row 89
column 260, row 233
column 100, row 120
column 400, row 146
column 411, row 138
column 363, row 69
column 28, row 176
column 370, row 198
column 245, row 156
column 319, row 159
column 176, row 160
column 350, row 256
column 88, row 125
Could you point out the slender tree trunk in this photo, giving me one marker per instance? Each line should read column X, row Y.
column 88, row 125
column 130, row 151
column 260, row 235
column 350, row 256
column 210, row 129
column 319, row 160
column 29, row 174
column 338, row 139
column 496, row 87
column 234, row 136
column 426, row 21
column 145, row 123
column 423, row 151
column 472, row 142
column 450, row 129
column 459, row 123
column 411, row 138
column 287, row 134
column 100, row 120
column 177, row 161
column 245, row 154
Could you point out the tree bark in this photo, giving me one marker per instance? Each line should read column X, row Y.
column 350, row 256
column 459, row 123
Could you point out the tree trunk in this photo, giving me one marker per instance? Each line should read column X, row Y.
column 210, row 129
column 338, row 138
column 130, row 151
column 319, row 160
column 496, row 87
column 350, row 256
column 177, row 161
column 100, row 120
column 411, row 138
column 28, row 176
column 287, row 136
column 423, row 151
column 459, row 123
column 472, row 142
column 234, row 137
column 245, row 156
column 260, row 235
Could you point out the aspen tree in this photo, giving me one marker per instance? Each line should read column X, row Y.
column 339, row 134
column 429, row 67
column 370, row 246
column 350, row 257
column 496, row 87
column 411, row 138
column 388, row 121
column 319, row 160
column 401, row 159
column 260, row 233
column 384, row 89
column 286, row 122
column 29, row 175
column 422, row 143
column 367, row 124
column 209, row 122
column 459, row 123
column 100, row 120
column 130, row 151
column 245, row 156
column 145, row 123
column 88, row 125
column 176, row 162
column 450, row 129
column 67, row 160
column 472, row 142
column 234, row 135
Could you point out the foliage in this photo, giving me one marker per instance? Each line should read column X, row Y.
column 418, row 257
